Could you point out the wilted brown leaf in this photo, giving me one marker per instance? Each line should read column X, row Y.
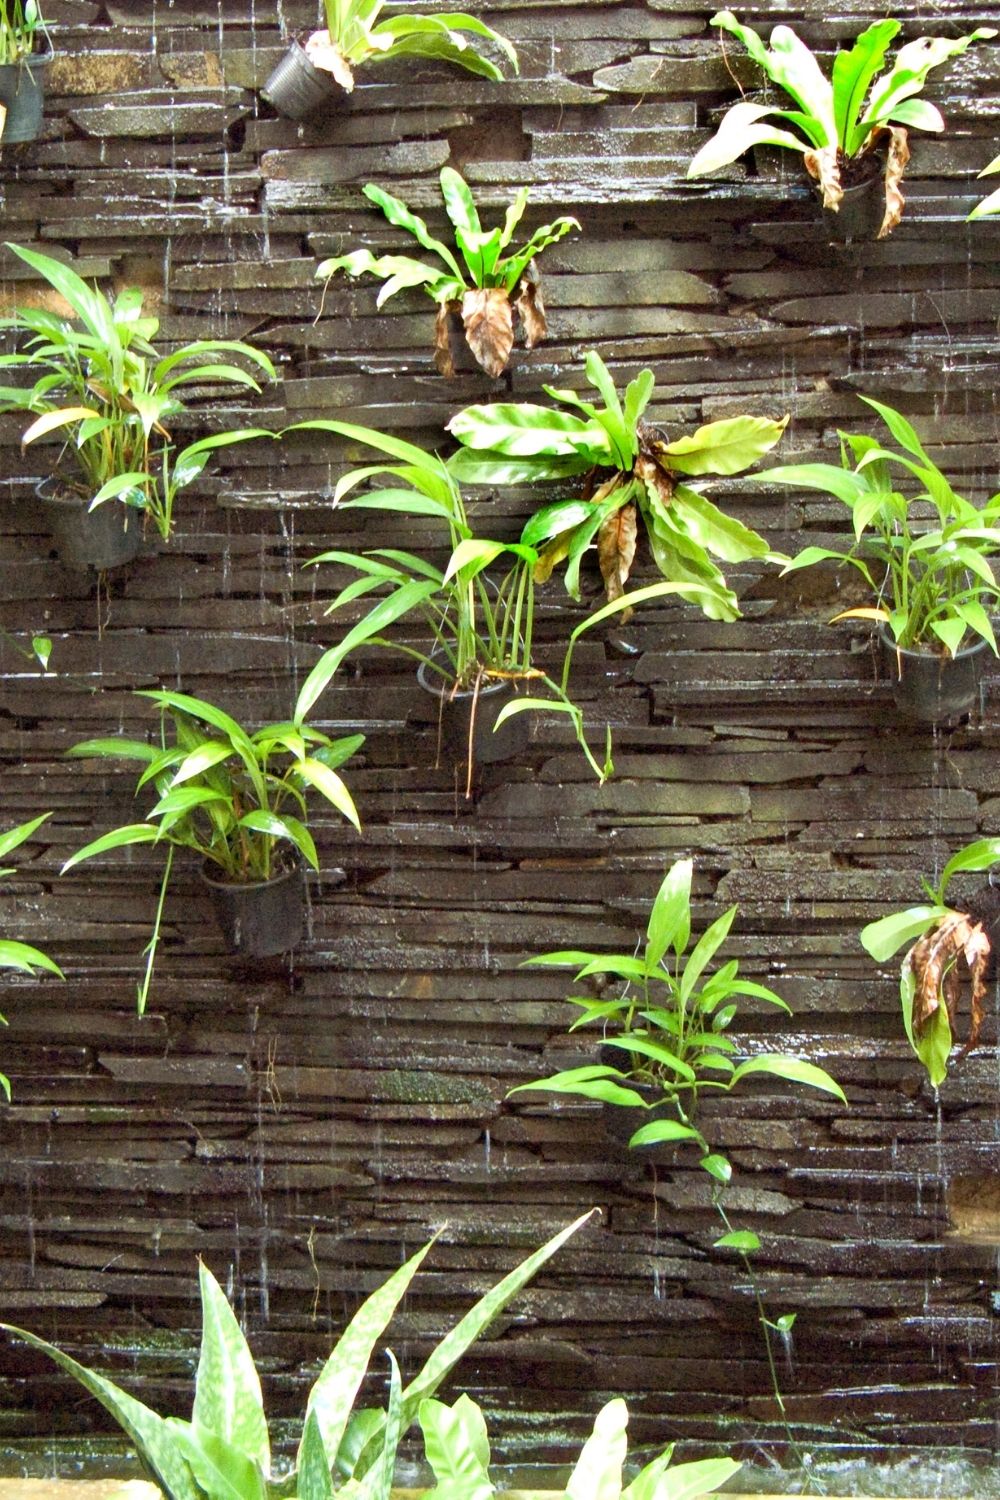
column 659, row 484
column 955, row 949
column 443, row 362
column 489, row 327
column 899, row 155
column 531, row 308
column 616, row 550
column 824, row 166
column 555, row 551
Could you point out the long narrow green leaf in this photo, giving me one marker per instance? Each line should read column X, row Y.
column 227, row 1400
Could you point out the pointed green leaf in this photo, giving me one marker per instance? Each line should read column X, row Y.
column 793, row 1070
column 227, row 1399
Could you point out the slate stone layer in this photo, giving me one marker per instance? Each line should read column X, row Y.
column 304, row 1128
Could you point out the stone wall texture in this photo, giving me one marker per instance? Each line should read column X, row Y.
column 304, row 1127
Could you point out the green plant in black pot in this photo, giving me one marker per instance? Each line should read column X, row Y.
column 476, row 608
column 224, row 1452
column 668, row 1044
column 626, row 471
column 236, row 799
column 480, row 284
column 357, row 36
column 22, row 59
column 18, row 957
column 850, row 128
column 927, row 556
column 102, row 387
column 950, row 945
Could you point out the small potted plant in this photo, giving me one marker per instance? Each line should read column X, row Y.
column 850, row 128
column 224, row 1452
column 991, row 203
column 668, row 1027
column 238, row 800
column 480, row 625
column 22, row 61
column 107, row 392
column 22, row 958
column 478, row 288
column 625, row 469
column 948, row 946
column 932, row 580
column 354, row 37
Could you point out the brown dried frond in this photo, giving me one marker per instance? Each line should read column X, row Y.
column 954, row 950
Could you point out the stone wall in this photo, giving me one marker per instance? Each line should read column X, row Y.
column 303, row 1128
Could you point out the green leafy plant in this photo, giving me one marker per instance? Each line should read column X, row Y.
column 932, row 579
column 476, row 282
column 480, row 626
column 991, row 203
column 21, row 957
column 947, row 947
column 41, row 648
column 223, row 1452
column 355, row 37
column 669, row 1026
column 20, row 23
column 107, row 392
column 838, row 123
column 628, row 469
column 236, row 799
column 457, row 1447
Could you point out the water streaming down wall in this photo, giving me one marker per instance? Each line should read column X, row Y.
column 303, row 1129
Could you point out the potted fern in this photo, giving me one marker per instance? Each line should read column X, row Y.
column 22, row 61
column 851, row 128
column 355, row 37
column 479, row 289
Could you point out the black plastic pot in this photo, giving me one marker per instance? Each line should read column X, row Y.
column 22, row 94
column 861, row 210
column 930, row 687
column 622, row 1121
column 296, row 88
column 103, row 538
column 260, row 919
column 466, row 715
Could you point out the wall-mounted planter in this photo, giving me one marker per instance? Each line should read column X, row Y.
column 296, row 87
column 107, row 537
column 465, row 721
column 262, row 919
column 930, row 687
column 862, row 208
column 22, row 94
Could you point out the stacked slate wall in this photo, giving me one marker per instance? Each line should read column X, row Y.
column 303, row 1128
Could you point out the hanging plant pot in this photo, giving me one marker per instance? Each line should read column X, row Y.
column 932, row 687
column 296, row 87
column 862, row 208
column 465, row 720
column 103, row 538
column 259, row 919
column 22, row 94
